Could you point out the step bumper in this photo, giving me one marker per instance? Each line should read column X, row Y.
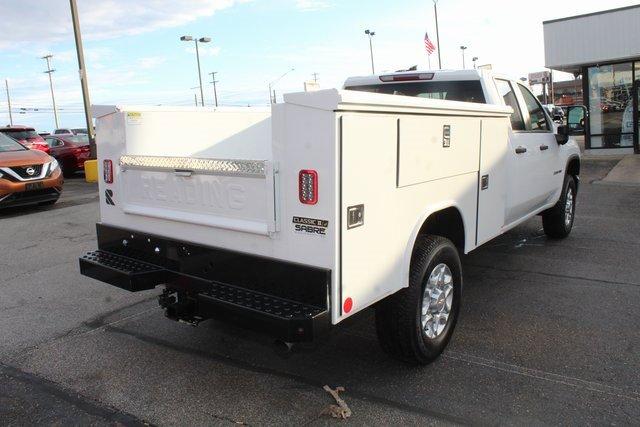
column 281, row 318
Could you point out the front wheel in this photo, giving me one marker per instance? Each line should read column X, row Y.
column 416, row 323
column 558, row 221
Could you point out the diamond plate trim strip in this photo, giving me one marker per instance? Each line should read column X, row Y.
column 246, row 168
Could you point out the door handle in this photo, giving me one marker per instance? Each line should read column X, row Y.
column 544, row 147
column 521, row 150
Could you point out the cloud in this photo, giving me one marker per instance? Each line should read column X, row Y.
column 151, row 62
column 99, row 19
column 312, row 5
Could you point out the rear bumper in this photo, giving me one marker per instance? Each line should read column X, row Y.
column 285, row 300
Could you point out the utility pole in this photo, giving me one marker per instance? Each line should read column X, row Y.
column 371, row 34
column 195, row 98
column 435, row 9
column 6, row 83
column 83, row 78
column 315, row 77
column 215, row 90
column 53, row 98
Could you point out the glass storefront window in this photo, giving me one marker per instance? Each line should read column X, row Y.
column 611, row 105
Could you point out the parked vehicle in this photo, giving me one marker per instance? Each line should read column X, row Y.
column 339, row 200
column 27, row 176
column 26, row 136
column 71, row 151
column 70, row 131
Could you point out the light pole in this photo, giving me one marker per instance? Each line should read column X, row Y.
column 6, row 83
column 53, row 98
column 463, row 48
column 196, row 40
column 272, row 98
column 474, row 59
column 435, row 9
column 371, row 34
column 83, row 78
column 213, row 82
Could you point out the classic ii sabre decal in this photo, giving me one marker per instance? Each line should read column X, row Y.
column 317, row 227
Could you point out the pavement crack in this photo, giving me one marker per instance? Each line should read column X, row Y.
column 614, row 391
column 561, row 276
column 96, row 325
column 84, row 404
column 247, row 366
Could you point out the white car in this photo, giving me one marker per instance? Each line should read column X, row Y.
column 293, row 219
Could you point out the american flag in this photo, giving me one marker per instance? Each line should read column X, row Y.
column 428, row 44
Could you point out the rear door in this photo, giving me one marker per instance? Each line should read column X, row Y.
column 540, row 132
column 523, row 161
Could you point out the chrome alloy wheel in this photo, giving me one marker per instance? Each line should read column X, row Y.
column 568, row 208
column 437, row 299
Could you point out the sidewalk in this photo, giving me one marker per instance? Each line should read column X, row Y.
column 626, row 172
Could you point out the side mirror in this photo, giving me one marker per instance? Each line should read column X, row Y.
column 576, row 119
column 562, row 136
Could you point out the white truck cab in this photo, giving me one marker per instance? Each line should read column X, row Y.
column 292, row 219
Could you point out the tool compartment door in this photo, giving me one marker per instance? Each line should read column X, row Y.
column 492, row 185
column 395, row 169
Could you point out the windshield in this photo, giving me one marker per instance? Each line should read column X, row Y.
column 466, row 91
column 8, row 144
column 78, row 139
column 80, row 130
column 21, row 133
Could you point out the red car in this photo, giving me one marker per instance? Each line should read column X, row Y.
column 26, row 136
column 70, row 151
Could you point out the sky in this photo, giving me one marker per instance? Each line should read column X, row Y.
column 134, row 55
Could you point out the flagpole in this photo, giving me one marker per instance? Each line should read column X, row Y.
column 435, row 8
column 429, row 59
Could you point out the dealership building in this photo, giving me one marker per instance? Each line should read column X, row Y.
column 604, row 49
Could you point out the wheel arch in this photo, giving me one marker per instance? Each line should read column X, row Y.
column 446, row 220
column 573, row 168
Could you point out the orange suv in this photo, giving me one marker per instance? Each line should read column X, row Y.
column 27, row 177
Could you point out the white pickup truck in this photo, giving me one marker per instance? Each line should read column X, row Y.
column 291, row 219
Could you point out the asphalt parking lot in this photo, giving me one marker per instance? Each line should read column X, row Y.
column 549, row 334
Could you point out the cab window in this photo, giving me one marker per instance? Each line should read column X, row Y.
column 539, row 121
column 509, row 97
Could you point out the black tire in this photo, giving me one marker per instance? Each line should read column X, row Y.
column 555, row 221
column 68, row 171
column 398, row 317
column 48, row 202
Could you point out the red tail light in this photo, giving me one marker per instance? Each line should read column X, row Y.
column 308, row 187
column 107, row 171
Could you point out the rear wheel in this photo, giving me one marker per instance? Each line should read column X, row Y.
column 416, row 323
column 558, row 221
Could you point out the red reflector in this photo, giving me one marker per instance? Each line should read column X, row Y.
column 308, row 187
column 107, row 171
column 406, row 77
column 348, row 305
